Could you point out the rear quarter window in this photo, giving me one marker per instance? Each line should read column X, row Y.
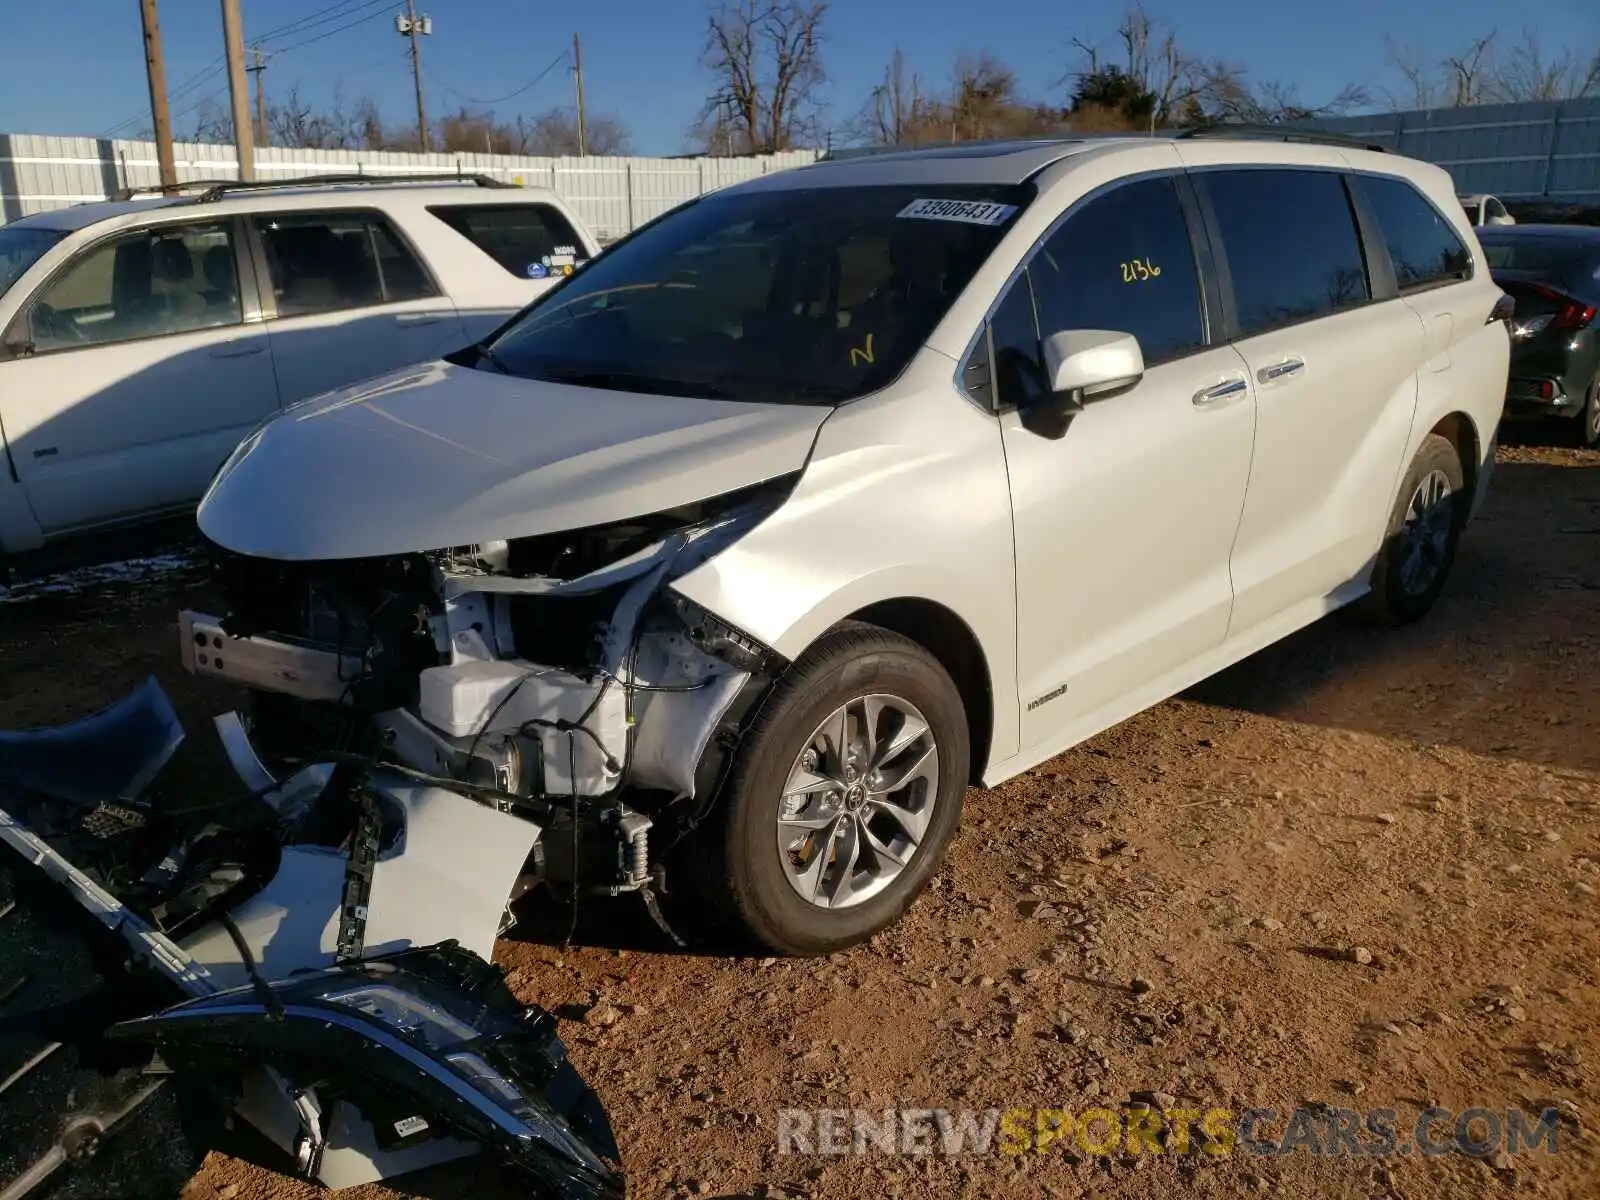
column 531, row 241
column 1423, row 247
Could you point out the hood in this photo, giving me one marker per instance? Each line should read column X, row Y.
column 439, row 455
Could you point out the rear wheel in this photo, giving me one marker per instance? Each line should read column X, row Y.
column 1589, row 419
column 1424, row 528
column 844, row 796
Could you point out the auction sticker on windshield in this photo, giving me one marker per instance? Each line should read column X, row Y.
column 971, row 212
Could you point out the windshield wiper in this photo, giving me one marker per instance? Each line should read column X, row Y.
column 494, row 360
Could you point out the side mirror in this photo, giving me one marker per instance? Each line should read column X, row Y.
column 1081, row 366
column 1090, row 364
column 1504, row 219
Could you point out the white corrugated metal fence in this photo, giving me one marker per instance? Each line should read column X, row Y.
column 611, row 195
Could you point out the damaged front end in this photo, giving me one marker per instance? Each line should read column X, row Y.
column 429, row 737
column 556, row 679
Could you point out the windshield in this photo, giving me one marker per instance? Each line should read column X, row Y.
column 810, row 296
column 20, row 249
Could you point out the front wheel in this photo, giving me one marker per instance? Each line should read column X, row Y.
column 1424, row 528
column 844, row 796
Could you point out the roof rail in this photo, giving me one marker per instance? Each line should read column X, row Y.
column 214, row 189
column 167, row 189
column 1278, row 133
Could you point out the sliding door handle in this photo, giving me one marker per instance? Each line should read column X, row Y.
column 1281, row 370
column 1226, row 392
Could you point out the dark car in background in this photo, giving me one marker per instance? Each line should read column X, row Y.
column 1553, row 274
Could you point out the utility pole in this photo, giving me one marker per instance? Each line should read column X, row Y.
column 263, row 133
column 414, row 27
column 156, row 70
column 239, row 95
column 577, row 79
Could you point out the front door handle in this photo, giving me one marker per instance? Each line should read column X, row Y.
column 1230, row 389
column 1282, row 370
column 422, row 318
column 239, row 349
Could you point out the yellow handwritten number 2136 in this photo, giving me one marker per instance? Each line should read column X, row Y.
column 1139, row 270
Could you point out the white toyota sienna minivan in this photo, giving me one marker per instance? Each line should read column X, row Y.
column 736, row 557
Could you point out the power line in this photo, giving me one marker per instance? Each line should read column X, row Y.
column 340, row 29
column 216, row 66
column 322, row 16
column 559, row 59
column 312, row 20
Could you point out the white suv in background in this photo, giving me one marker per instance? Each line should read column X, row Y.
column 1484, row 210
column 823, row 497
column 141, row 338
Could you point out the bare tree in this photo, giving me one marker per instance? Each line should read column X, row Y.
column 1526, row 72
column 766, row 58
column 896, row 111
column 555, row 133
column 1155, row 61
column 1223, row 92
column 1422, row 88
column 294, row 122
column 1154, row 79
column 212, row 123
column 1469, row 72
column 1157, row 82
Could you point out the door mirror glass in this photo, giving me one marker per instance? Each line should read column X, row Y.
column 1090, row 364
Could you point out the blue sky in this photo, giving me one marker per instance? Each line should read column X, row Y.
column 76, row 66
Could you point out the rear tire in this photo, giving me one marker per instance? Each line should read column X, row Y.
column 801, row 867
column 1419, row 546
column 1588, row 422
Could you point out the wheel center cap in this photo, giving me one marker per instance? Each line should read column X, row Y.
column 855, row 797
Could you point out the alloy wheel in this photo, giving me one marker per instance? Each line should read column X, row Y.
column 1425, row 535
column 857, row 801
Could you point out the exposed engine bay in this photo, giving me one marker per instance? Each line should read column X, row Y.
column 558, row 678
column 428, row 739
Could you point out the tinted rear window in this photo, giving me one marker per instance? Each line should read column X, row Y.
column 532, row 241
column 1423, row 247
column 1569, row 263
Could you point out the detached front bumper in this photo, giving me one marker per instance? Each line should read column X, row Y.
column 359, row 1062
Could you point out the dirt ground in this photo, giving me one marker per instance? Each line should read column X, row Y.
column 1359, row 869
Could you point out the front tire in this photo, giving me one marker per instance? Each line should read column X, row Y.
column 844, row 795
column 1424, row 529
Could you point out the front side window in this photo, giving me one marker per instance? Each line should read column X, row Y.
column 1291, row 245
column 802, row 296
column 1019, row 376
column 333, row 261
column 1124, row 262
column 1423, row 247
column 156, row 282
column 532, row 241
